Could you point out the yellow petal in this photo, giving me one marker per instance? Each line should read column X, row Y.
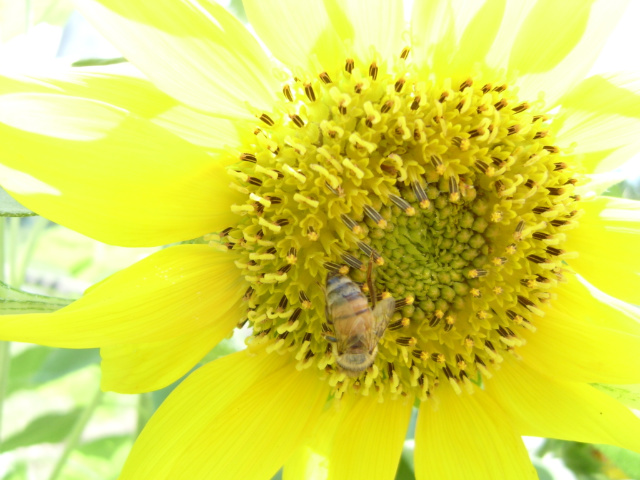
column 468, row 436
column 606, row 312
column 296, row 31
column 603, row 161
column 452, row 37
column 433, row 34
column 568, row 20
column 478, row 37
column 553, row 62
column 601, row 114
column 357, row 438
column 108, row 173
column 143, row 367
column 140, row 97
column 173, row 292
column 311, row 459
column 571, row 347
column 134, row 94
column 213, row 133
column 365, row 24
column 238, row 417
column 198, row 53
column 515, row 13
column 368, row 442
column 607, row 243
column 542, row 406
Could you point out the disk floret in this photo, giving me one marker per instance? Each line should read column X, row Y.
column 455, row 190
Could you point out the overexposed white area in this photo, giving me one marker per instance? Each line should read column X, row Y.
column 43, row 48
column 38, row 47
column 620, row 53
column 80, row 40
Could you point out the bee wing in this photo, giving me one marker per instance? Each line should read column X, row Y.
column 383, row 313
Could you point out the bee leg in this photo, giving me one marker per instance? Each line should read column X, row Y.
column 327, row 315
column 326, row 333
column 372, row 288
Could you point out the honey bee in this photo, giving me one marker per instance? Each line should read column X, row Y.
column 357, row 327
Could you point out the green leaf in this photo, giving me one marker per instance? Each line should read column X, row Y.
column 405, row 467
column 411, row 430
column 16, row 301
column 625, row 460
column 38, row 365
column 9, row 207
column 631, row 189
column 237, row 8
column 88, row 467
column 86, row 463
column 104, row 447
column 93, row 62
column 25, row 366
column 159, row 396
column 629, row 395
column 50, row 428
column 18, row 472
column 579, row 458
column 615, row 190
column 62, row 361
column 70, row 254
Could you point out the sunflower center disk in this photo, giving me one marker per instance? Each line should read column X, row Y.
column 456, row 193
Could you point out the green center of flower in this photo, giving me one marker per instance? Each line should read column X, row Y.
column 454, row 192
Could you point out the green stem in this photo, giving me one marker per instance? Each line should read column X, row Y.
column 5, row 362
column 39, row 224
column 76, row 432
column 5, row 356
column 2, row 223
column 12, row 250
column 145, row 410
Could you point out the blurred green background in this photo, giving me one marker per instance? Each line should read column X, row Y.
column 55, row 422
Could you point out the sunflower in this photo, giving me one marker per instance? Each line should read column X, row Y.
column 450, row 164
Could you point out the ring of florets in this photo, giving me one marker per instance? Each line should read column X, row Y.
column 458, row 195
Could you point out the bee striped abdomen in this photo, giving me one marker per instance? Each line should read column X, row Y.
column 345, row 297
